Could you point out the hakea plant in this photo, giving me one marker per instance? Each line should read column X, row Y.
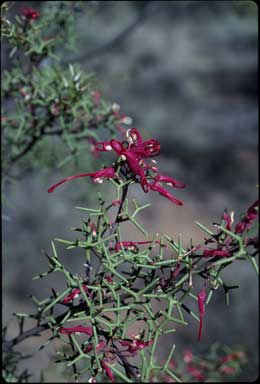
column 125, row 283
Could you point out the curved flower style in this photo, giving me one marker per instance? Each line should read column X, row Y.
column 134, row 151
column 96, row 176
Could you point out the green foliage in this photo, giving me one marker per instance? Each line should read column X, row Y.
column 42, row 98
column 131, row 285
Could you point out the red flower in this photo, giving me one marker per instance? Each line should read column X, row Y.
column 149, row 148
column 30, row 13
column 215, row 252
column 116, row 202
column 77, row 329
column 133, row 152
column 247, row 220
column 201, row 304
column 156, row 187
column 74, row 294
column 99, row 346
column 96, row 176
column 187, row 356
column 195, row 372
column 135, row 345
column 175, row 272
column 169, row 181
column 135, row 167
column 108, row 371
column 109, row 279
column 228, row 219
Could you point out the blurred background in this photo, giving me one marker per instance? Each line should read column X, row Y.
column 186, row 73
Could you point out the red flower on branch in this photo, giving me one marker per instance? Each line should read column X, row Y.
column 201, row 304
column 215, row 252
column 74, row 294
column 99, row 347
column 77, row 329
column 133, row 152
column 246, row 222
column 30, row 13
column 135, row 345
column 108, row 371
column 158, row 188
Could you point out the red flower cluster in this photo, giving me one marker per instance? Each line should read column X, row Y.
column 30, row 13
column 240, row 228
column 247, row 220
column 134, row 152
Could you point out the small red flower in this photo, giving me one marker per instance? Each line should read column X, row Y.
column 228, row 219
column 77, row 329
column 109, row 279
column 156, row 187
column 215, row 252
column 176, row 270
column 30, row 13
column 99, row 347
column 108, row 371
column 187, row 356
column 195, row 372
column 246, row 222
column 201, row 304
column 116, row 202
column 135, row 345
column 169, row 181
column 75, row 293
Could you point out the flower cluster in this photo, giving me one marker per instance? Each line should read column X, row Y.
column 108, row 348
column 30, row 13
column 134, row 153
column 225, row 248
column 192, row 368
